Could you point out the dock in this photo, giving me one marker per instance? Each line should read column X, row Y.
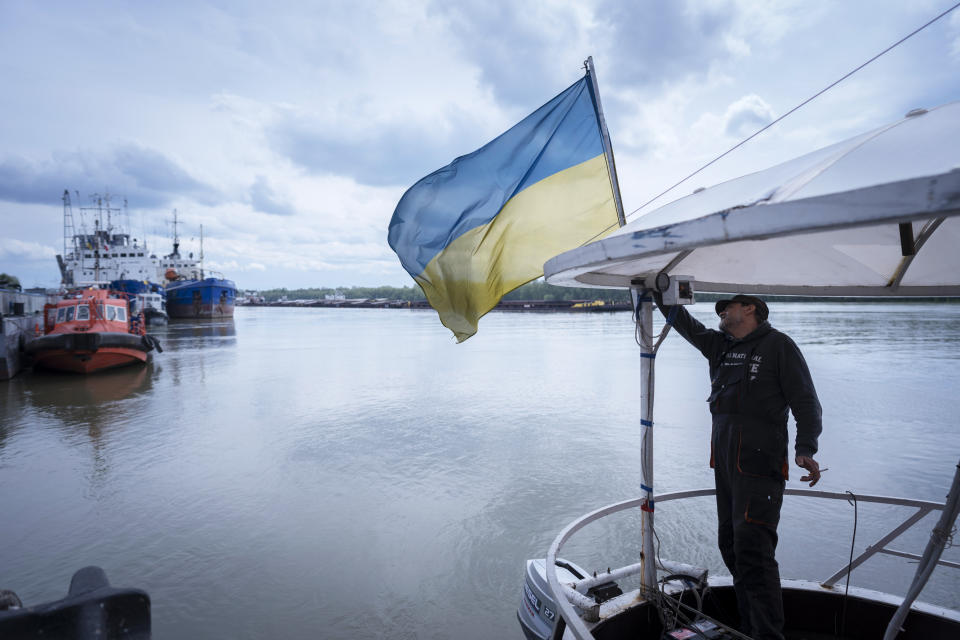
column 21, row 319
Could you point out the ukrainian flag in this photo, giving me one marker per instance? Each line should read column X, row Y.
column 485, row 224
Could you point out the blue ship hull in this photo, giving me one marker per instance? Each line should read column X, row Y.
column 208, row 298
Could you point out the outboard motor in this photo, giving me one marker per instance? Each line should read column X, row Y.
column 538, row 610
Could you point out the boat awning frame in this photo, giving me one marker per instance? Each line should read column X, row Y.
column 874, row 215
column 933, row 198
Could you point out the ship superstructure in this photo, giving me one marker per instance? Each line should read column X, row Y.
column 95, row 256
column 109, row 255
column 184, row 267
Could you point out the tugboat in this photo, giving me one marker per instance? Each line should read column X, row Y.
column 89, row 331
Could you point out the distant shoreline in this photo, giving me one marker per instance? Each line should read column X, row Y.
column 538, row 293
column 505, row 305
column 576, row 306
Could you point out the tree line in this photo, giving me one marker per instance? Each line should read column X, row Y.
column 536, row 290
column 540, row 290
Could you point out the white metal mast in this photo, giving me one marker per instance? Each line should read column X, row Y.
column 176, row 238
column 643, row 308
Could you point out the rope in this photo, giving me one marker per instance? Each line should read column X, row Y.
column 943, row 537
column 638, row 334
column 853, row 540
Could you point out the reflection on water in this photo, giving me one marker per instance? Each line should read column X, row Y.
column 192, row 345
column 335, row 473
column 85, row 397
column 196, row 333
column 86, row 410
column 91, row 403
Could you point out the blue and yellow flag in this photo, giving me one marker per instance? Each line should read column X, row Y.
column 483, row 225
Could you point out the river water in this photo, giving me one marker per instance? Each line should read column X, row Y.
column 323, row 473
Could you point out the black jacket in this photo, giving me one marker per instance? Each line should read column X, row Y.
column 757, row 378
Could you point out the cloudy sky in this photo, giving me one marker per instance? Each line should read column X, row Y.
column 290, row 130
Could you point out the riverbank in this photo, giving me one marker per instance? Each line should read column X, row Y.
column 585, row 305
column 505, row 305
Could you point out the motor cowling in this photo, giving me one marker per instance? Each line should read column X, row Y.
column 538, row 610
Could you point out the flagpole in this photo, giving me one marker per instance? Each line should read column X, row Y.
column 643, row 310
column 607, row 146
column 643, row 316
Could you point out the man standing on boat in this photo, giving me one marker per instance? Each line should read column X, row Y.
column 756, row 374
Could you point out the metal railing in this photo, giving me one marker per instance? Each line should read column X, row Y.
column 566, row 596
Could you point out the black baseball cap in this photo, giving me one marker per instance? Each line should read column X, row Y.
column 761, row 310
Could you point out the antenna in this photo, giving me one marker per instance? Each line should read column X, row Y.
column 126, row 219
column 103, row 204
column 176, row 238
column 83, row 224
column 96, row 249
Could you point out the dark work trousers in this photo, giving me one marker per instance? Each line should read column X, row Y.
column 748, row 511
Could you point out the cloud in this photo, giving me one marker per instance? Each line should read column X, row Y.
column 955, row 29
column 265, row 200
column 676, row 40
column 11, row 248
column 516, row 45
column 652, row 46
column 745, row 116
column 143, row 175
column 371, row 147
column 290, row 135
column 235, row 266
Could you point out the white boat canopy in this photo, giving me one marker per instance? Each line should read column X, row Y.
column 875, row 215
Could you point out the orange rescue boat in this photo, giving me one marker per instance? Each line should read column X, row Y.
column 91, row 330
